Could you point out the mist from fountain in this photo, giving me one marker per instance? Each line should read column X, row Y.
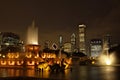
column 32, row 34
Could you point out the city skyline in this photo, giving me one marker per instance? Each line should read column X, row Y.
column 54, row 18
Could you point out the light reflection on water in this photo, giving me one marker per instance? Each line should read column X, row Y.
column 78, row 73
column 110, row 73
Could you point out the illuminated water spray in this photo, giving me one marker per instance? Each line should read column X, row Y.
column 32, row 34
column 106, row 57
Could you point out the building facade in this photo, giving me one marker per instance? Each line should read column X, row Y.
column 95, row 47
column 9, row 40
column 73, row 42
column 60, row 41
column 82, row 47
column 67, row 47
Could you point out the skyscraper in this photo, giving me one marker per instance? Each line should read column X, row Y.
column 67, row 47
column 10, row 42
column 95, row 47
column 73, row 42
column 82, row 47
column 60, row 41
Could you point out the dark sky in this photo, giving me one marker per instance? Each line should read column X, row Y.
column 61, row 17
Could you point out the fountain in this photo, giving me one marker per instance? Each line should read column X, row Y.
column 32, row 34
column 31, row 56
column 32, row 39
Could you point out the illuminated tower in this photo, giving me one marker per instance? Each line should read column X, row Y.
column 96, row 47
column 60, row 41
column 73, row 42
column 82, row 38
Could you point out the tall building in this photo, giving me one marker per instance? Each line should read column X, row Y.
column 9, row 38
column 67, row 47
column 73, row 42
column 95, row 47
column 60, row 41
column 82, row 47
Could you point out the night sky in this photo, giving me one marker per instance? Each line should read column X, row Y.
column 61, row 17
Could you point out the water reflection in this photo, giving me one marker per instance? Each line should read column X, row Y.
column 109, row 73
column 78, row 73
column 41, row 74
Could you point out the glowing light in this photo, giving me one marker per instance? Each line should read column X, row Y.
column 11, row 62
column 30, row 62
column 19, row 62
column 3, row 56
column 93, row 62
column 44, row 66
column 37, row 56
column 17, row 55
column 3, row 62
column 108, row 62
column 48, row 55
column 28, row 55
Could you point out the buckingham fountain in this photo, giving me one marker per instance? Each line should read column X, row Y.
column 32, row 55
column 32, row 48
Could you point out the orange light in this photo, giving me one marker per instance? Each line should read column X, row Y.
column 11, row 62
column 19, row 62
column 30, row 62
column 28, row 55
column 3, row 62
